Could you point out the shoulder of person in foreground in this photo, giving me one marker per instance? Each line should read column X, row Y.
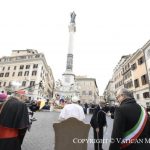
column 118, row 130
column 18, row 114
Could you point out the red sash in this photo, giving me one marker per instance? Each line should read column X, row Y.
column 8, row 132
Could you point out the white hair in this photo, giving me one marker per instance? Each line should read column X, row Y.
column 125, row 92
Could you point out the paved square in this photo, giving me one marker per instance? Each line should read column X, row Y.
column 41, row 135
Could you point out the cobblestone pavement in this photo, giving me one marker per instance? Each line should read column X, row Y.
column 41, row 135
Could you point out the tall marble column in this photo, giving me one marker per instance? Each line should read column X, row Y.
column 72, row 30
column 68, row 76
column 67, row 88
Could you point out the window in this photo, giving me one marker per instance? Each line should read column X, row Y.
column 8, row 68
column 32, row 83
column 13, row 74
column 140, row 60
column 144, row 79
column 26, row 73
column 34, row 73
column 37, row 56
column 4, row 84
column 35, row 66
column 22, row 66
column 148, row 53
column 130, row 74
column 20, row 73
column 146, row 95
column 128, row 65
column 128, row 84
column 83, row 92
column 90, row 92
column 27, row 66
column 120, row 82
column 125, row 67
column 0, row 84
column 7, row 74
column 24, row 83
column 9, row 83
column 137, row 96
column 3, row 68
column 122, row 69
column 133, row 66
column 1, row 74
column 136, row 83
column 15, row 67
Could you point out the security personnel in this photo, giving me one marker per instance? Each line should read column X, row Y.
column 98, row 121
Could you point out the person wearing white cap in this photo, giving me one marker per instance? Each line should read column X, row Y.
column 72, row 110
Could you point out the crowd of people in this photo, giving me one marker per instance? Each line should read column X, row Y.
column 131, row 121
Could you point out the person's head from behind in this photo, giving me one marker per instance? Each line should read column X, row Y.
column 123, row 94
column 102, row 103
column 75, row 99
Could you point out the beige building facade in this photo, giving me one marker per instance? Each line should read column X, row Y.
column 133, row 72
column 88, row 89
column 146, row 50
column 109, row 93
column 118, row 78
column 139, row 77
column 28, row 68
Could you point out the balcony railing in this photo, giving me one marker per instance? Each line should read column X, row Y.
column 9, row 59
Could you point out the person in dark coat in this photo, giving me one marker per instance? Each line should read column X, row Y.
column 34, row 106
column 14, row 121
column 131, row 128
column 106, row 108
column 85, row 108
column 112, row 111
column 98, row 121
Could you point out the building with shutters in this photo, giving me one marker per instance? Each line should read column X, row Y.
column 28, row 68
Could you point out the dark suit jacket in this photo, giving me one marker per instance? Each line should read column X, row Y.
column 126, row 116
column 98, row 119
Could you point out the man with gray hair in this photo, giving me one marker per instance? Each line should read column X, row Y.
column 131, row 128
column 123, row 93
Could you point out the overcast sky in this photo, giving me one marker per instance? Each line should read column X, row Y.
column 106, row 30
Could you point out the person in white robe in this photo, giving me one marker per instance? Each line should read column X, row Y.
column 72, row 110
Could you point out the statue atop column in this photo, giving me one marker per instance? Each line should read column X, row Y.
column 73, row 16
